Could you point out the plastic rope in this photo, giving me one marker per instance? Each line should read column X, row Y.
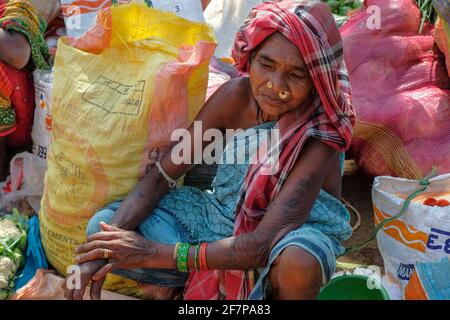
column 355, row 212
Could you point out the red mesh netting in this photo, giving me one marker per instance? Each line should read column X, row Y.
column 400, row 91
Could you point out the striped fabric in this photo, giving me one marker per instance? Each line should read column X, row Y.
column 328, row 116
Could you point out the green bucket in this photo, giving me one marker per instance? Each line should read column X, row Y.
column 353, row 287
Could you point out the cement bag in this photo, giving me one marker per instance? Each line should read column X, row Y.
column 42, row 124
column 421, row 234
column 80, row 15
column 114, row 112
column 402, row 100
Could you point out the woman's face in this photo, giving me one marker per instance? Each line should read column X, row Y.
column 279, row 77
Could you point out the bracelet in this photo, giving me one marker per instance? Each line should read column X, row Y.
column 196, row 265
column 172, row 183
column 202, row 257
column 175, row 253
column 182, row 257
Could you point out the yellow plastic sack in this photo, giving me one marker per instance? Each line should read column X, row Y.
column 115, row 106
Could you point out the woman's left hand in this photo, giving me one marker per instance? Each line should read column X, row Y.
column 124, row 249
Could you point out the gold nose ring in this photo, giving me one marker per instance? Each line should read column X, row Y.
column 283, row 95
column 269, row 84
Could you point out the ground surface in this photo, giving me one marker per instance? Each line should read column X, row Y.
column 357, row 189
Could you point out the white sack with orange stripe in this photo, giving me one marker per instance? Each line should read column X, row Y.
column 42, row 123
column 422, row 233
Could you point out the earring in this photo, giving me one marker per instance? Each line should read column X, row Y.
column 269, row 84
column 283, row 95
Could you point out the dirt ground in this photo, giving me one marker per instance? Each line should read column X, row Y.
column 356, row 191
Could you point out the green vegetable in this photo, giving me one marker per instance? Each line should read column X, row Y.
column 428, row 12
column 13, row 239
column 4, row 294
column 7, row 270
column 343, row 7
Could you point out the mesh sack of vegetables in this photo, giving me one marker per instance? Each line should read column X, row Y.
column 13, row 240
column 400, row 90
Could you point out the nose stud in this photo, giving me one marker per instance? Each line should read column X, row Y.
column 283, row 95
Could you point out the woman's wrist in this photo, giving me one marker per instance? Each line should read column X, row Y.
column 139, row 204
column 159, row 256
column 192, row 259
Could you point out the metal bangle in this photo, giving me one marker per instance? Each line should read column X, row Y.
column 172, row 183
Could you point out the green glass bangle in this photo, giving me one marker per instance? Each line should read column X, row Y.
column 182, row 257
column 197, row 247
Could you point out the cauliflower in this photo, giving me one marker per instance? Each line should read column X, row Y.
column 13, row 239
column 8, row 230
column 7, row 270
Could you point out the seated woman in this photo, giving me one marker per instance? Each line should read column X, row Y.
column 21, row 38
column 257, row 233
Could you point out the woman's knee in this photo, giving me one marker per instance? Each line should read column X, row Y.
column 295, row 274
column 93, row 226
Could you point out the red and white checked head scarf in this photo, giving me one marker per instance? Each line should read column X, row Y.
column 328, row 116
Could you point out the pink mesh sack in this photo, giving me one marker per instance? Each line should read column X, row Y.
column 400, row 91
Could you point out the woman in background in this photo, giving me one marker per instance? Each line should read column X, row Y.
column 22, row 50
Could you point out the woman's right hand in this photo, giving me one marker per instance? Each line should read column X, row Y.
column 76, row 283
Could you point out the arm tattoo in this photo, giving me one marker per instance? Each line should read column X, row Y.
column 291, row 206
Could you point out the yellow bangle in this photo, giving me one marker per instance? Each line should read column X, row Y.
column 197, row 247
column 175, row 252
